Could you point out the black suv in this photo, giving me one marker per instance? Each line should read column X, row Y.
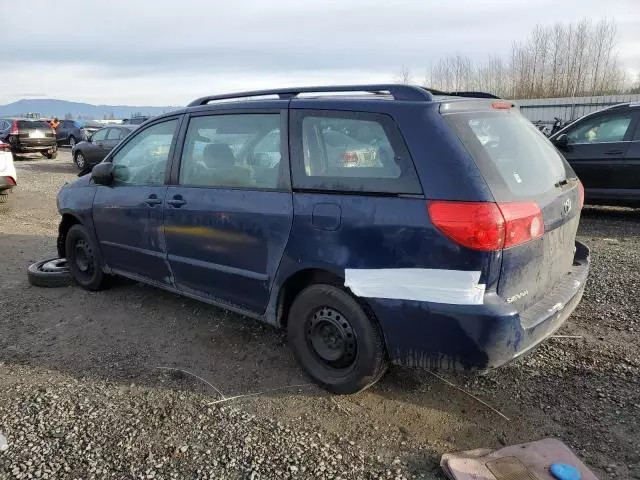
column 70, row 132
column 29, row 136
column 604, row 150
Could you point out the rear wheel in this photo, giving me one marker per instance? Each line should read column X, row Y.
column 4, row 196
column 72, row 141
column 80, row 160
column 337, row 344
column 84, row 259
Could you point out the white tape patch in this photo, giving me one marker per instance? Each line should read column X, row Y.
column 456, row 287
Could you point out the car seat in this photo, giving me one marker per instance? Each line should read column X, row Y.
column 219, row 167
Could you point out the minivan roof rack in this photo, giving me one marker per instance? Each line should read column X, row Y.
column 397, row 91
column 440, row 93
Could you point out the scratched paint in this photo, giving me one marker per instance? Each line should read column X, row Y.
column 208, row 232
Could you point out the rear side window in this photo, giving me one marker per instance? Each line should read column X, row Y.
column 350, row 151
column 515, row 158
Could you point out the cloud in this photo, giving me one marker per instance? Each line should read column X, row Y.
column 164, row 52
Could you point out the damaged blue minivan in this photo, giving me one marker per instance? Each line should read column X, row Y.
column 378, row 224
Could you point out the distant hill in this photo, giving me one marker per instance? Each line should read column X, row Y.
column 60, row 108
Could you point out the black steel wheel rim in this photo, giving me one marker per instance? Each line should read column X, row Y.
column 331, row 338
column 83, row 259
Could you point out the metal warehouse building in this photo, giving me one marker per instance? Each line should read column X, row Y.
column 569, row 108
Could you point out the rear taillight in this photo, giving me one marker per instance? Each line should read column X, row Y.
column 10, row 181
column 4, row 147
column 487, row 226
column 523, row 222
column 14, row 128
column 580, row 194
column 349, row 159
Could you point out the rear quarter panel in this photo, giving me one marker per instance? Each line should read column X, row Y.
column 445, row 168
column 374, row 232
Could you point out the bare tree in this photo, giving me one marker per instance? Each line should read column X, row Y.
column 558, row 60
column 404, row 76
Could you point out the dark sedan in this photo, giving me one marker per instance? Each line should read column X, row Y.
column 90, row 152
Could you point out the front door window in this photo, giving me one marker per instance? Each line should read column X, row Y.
column 143, row 160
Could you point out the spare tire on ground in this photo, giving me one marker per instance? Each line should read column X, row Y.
column 53, row 272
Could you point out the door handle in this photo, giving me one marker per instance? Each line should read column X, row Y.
column 613, row 152
column 177, row 201
column 153, row 200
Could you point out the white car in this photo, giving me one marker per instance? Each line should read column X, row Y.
column 8, row 178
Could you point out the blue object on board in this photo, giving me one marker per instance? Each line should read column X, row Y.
column 563, row 471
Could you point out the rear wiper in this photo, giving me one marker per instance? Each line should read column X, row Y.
column 561, row 183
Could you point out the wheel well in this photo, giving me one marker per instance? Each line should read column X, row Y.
column 298, row 282
column 67, row 222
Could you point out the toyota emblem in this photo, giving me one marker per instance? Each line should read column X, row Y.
column 566, row 207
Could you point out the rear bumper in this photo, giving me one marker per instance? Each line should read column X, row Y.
column 35, row 145
column 476, row 337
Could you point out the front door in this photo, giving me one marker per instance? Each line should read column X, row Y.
column 128, row 214
column 114, row 135
column 228, row 219
column 632, row 163
column 596, row 150
column 94, row 151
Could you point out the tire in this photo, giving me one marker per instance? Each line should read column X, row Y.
column 80, row 161
column 337, row 344
column 84, row 259
column 50, row 273
column 72, row 141
column 4, row 197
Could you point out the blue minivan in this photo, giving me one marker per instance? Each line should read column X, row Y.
column 378, row 224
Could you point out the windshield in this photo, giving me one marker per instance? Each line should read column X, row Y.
column 516, row 160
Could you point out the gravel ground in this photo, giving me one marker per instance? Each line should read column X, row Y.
column 88, row 387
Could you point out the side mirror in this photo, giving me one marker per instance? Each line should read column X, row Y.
column 561, row 141
column 102, row 173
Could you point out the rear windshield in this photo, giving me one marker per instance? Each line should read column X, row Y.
column 31, row 124
column 515, row 158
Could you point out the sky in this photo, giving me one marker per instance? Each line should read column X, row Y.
column 159, row 52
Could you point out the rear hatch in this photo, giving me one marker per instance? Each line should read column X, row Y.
column 35, row 133
column 524, row 172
